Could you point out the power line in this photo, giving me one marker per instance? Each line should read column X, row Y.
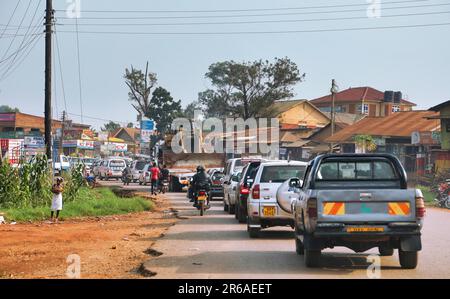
column 102, row 119
column 10, row 18
column 261, row 32
column 24, row 39
column 242, row 10
column 254, row 15
column 79, row 69
column 257, row 22
column 60, row 70
column 17, row 31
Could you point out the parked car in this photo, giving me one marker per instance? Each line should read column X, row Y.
column 229, row 191
column 232, row 166
column 111, row 168
column 242, row 191
column 216, row 186
column 359, row 201
column 136, row 169
column 262, row 206
column 88, row 164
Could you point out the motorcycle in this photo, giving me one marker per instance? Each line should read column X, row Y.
column 443, row 198
column 126, row 178
column 202, row 201
column 164, row 186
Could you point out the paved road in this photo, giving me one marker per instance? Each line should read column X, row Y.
column 216, row 246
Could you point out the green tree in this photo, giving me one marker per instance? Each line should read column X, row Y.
column 130, row 125
column 6, row 108
column 163, row 109
column 188, row 112
column 110, row 126
column 160, row 107
column 246, row 89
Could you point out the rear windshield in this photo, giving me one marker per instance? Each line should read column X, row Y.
column 117, row 163
column 238, row 164
column 140, row 165
column 355, row 171
column 217, row 176
column 280, row 173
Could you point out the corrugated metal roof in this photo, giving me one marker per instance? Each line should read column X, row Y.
column 399, row 124
column 355, row 94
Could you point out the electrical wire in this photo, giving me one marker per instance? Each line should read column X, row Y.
column 257, row 22
column 243, row 10
column 253, row 15
column 79, row 69
column 10, row 18
column 60, row 70
column 262, row 32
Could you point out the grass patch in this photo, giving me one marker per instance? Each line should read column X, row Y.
column 89, row 202
column 428, row 195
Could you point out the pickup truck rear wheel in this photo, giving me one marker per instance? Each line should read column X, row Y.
column 408, row 259
column 386, row 251
column 312, row 258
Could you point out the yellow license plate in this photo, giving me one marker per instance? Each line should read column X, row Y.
column 269, row 211
column 201, row 197
column 364, row 229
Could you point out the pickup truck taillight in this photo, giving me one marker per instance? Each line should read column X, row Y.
column 420, row 207
column 255, row 192
column 311, row 208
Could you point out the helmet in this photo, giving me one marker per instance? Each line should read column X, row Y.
column 200, row 168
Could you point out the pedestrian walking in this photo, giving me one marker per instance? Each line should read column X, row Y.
column 154, row 172
column 57, row 190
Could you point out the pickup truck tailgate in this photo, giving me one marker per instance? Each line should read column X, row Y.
column 353, row 206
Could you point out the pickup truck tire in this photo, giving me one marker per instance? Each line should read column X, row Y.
column 312, row 258
column 386, row 251
column 408, row 259
column 253, row 232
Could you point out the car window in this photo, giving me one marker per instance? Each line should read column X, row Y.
column 140, row 165
column 217, row 176
column 359, row 170
column 280, row 173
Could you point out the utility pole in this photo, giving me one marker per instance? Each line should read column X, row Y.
column 48, row 78
column 333, row 113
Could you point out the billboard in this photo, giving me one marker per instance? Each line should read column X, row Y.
column 34, row 142
column 147, row 128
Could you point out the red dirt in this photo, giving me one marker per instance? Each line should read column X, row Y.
column 109, row 247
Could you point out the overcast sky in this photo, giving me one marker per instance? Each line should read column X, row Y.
column 414, row 60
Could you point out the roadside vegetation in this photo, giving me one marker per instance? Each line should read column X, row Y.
column 25, row 194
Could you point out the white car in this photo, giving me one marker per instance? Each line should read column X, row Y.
column 229, row 191
column 136, row 169
column 61, row 163
column 111, row 168
column 262, row 206
column 145, row 175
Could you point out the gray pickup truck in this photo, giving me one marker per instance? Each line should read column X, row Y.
column 359, row 201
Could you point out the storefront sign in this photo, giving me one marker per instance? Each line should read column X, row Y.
column 34, row 142
column 7, row 117
column 85, row 144
column 116, row 147
column 147, row 128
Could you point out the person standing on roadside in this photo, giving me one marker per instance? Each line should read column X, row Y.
column 154, row 175
column 57, row 190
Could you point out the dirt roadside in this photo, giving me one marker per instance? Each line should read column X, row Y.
column 109, row 247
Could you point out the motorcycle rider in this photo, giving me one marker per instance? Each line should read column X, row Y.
column 200, row 180
column 164, row 176
column 126, row 175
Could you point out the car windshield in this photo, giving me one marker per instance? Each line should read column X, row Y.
column 351, row 171
column 280, row 173
column 140, row 165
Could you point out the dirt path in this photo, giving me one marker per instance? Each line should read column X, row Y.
column 109, row 247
